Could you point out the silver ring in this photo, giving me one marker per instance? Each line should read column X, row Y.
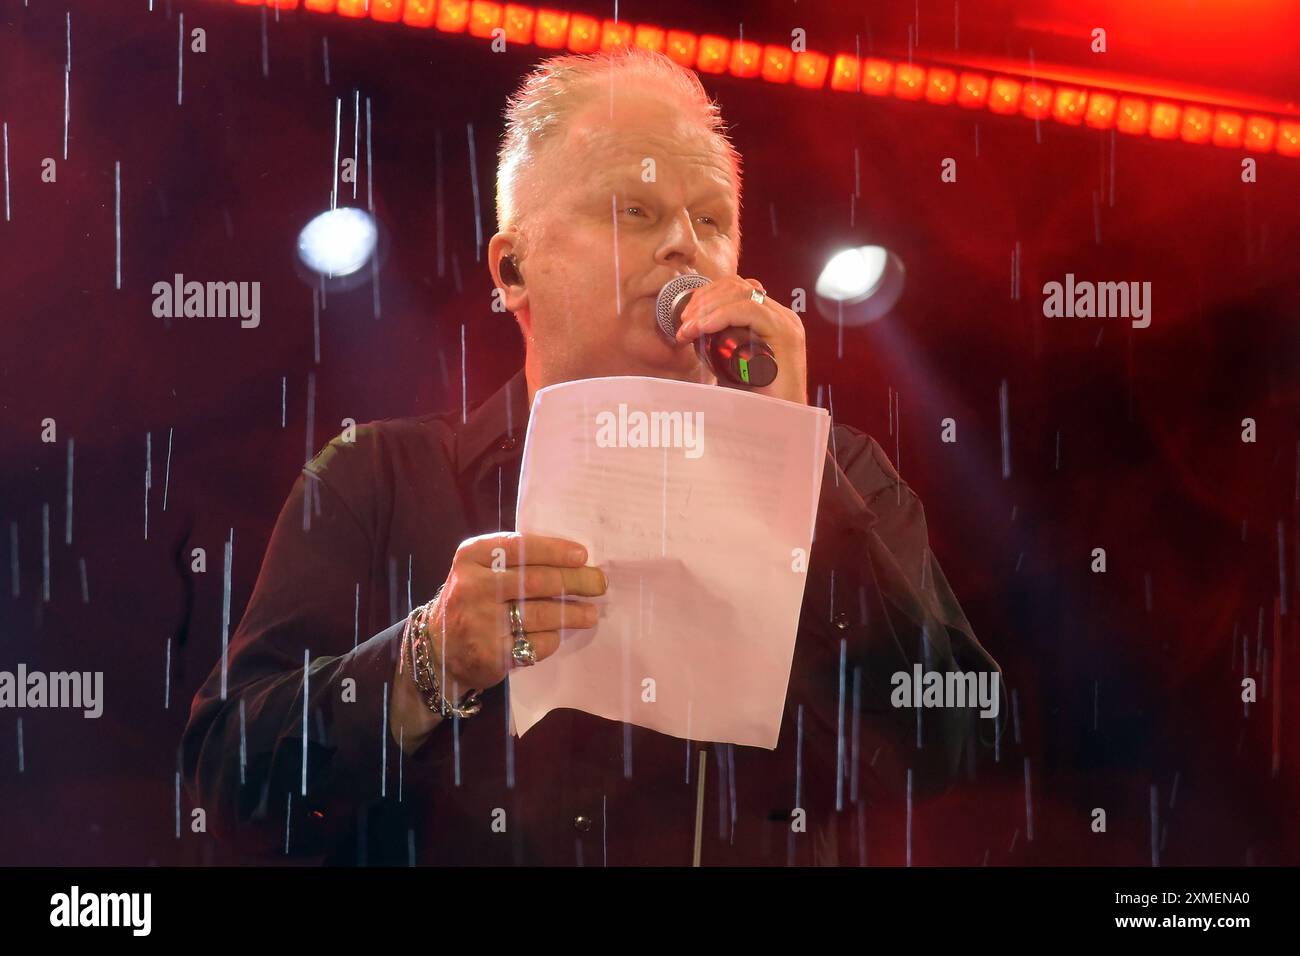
column 523, row 653
column 759, row 296
column 516, row 620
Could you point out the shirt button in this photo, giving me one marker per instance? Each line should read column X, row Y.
column 508, row 443
column 841, row 620
column 582, row 823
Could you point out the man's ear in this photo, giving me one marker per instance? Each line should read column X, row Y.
column 507, row 274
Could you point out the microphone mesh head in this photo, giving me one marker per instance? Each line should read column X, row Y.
column 667, row 305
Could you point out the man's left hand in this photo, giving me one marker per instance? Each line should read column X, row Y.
column 729, row 302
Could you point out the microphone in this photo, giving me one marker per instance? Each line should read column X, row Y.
column 736, row 353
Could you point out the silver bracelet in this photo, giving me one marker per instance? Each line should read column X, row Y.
column 424, row 674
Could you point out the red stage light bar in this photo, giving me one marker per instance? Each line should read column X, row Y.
column 1133, row 106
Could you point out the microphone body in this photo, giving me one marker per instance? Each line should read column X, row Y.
column 735, row 353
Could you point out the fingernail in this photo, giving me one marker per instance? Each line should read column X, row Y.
column 686, row 330
column 604, row 581
column 578, row 555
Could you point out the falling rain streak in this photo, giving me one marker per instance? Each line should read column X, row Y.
column 1029, row 806
column 117, row 217
column 334, row 177
column 225, row 613
column 180, row 60
column 306, row 661
column 6, row 151
column 67, row 77
column 310, row 443
column 839, row 742
column 1004, row 417
column 148, row 478
column 1155, row 826
column 266, row 45
column 699, row 808
column 167, row 477
column 383, row 741
column 1015, row 271
column 13, row 557
column 909, row 816
column 67, row 507
column 473, row 181
column 45, row 551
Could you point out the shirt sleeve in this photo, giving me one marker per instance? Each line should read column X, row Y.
column 877, row 600
column 273, row 775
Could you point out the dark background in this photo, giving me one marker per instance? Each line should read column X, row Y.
column 1127, row 684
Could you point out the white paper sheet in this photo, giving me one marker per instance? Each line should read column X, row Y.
column 701, row 540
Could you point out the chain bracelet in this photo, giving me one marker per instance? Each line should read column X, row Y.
column 424, row 674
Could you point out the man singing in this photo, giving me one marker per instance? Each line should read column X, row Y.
column 341, row 730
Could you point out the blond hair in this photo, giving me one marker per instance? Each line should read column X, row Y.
column 558, row 86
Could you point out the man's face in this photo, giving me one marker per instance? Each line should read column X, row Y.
column 603, row 241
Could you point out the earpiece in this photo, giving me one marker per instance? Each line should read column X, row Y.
column 510, row 270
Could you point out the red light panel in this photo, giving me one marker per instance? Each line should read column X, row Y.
column 650, row 38
column 845, row 73
column 584, row 34
column 453, row 16
column 1036, row 100
column 909, row 81
column 746, row 58
column 1227, row 129
column 680, row 47
column 1260, row 131
column 778, row 63
column 1288, row 138
column 518, row 22
column 1134, row 115
column 1239, row 123
column 484, row 17
column 1164, row 120
column 941, row 86
column 1070, row 106
column 551, row 30
column 1101, row 110
column 810, row 70
column 972, row 90
column 614, row 36
column 419, row 13
column 1004, row 95
column 877, row 77
column 713, row 54
column 1197, row 126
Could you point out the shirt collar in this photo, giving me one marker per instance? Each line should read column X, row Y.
column 499, row 421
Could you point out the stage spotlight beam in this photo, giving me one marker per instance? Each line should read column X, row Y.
column 859, row 285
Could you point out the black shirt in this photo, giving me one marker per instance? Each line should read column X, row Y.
column 369, row 530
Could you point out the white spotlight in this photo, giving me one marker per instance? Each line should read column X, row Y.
column 859, row 285
column 338, row 242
